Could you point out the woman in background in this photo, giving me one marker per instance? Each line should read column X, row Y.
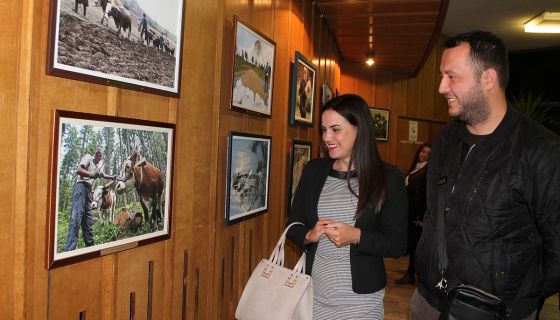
column 354, row 210
column 416, row 187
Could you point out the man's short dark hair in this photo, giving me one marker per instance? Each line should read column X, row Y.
column 487, row 51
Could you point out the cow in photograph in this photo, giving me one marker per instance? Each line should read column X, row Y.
column 104, row 199
column 126, row 219
column 167, row 47
column 121, row 16
column 104, row 17
column 85, row 3
column 150, row 35
column 148, row 183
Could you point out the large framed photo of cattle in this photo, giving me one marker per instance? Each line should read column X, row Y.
column 133, row 44
column 111, row 181
column 302, row 110
column 248, row 176
column 253, row 70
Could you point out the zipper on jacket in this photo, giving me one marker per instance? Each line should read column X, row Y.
column 461, row 167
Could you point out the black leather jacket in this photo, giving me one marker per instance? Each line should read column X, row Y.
column 503, row 225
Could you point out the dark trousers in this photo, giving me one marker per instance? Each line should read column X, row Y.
column 81, row 215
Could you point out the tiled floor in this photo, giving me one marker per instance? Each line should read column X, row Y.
column 397, row 297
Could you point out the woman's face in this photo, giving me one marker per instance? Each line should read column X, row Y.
column 338, row 134
column 424, row 154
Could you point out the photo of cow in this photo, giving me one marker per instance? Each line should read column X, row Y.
column 112, row 183
column 129, row 43
column 253, row 69
column 248, row 176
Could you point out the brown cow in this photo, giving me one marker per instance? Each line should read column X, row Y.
column 104, row 199
column 146, row 179
column 127, row 220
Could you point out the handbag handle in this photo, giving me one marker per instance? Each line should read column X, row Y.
column 277, row 255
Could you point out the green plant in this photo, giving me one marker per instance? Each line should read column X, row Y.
column 535, row 107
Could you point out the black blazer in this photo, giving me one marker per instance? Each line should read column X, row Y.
column 383, row 234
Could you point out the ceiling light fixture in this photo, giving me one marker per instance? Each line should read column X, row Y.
column 545, row 22
column 370, row 55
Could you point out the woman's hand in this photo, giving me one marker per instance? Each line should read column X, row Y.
column 342, row 234
column 315, row 233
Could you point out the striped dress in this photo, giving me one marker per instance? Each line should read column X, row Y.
column 332, row 279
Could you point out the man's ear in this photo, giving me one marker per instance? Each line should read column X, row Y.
column 489, row 79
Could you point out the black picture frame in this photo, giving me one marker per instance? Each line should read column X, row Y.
column 303, row 89
column 253, row 70
column 90, row 48
column 381, row 123
column 248, row 176
column 133, row 225
column 300, row 154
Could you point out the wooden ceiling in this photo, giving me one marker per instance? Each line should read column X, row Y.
column 401, row 33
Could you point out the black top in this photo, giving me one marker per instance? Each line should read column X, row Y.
column 382, row 235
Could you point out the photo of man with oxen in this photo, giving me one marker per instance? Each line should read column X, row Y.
column 112, row 185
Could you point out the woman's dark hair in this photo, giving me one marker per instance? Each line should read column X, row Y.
column 415, row 161
column 364, row 156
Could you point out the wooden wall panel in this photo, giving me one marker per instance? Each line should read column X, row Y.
column 12, row 286
column 200, row 272
column 404, row 96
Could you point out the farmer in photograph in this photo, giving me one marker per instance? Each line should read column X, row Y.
column 88, row 170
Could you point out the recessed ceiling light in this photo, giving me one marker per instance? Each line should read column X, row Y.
column 370, row 55
column 545, row 22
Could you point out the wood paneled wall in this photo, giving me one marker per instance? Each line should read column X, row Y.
column 200, row 272
column 407, row 98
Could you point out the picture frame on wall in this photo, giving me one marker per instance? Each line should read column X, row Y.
column 300, row 155
column 248, row 175
column 327, row 93
column 253, row 69
column 143, row 53
column 381, row 123
column 304, row 79
column 111, row 185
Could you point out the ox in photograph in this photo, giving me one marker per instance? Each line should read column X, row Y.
column 302, row 111
column 133, row 44
column 248, row 176
column 111, row 185
column 253, row 70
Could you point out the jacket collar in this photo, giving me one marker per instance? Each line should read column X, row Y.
column 511, row 117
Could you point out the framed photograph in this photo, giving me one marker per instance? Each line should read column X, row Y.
column 253, row 69
column 302, row 109
column 300, row 154
column 327, row 93
column 111, row 185
column 248, row 175
column 125, row 43
column 381, row 123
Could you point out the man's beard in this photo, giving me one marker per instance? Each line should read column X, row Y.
column 475, row 107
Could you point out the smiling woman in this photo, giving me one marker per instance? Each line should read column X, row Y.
column 353, row 212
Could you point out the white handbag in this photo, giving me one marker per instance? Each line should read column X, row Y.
column 274, row 292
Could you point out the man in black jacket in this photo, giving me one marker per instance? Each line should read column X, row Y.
column 501, row 188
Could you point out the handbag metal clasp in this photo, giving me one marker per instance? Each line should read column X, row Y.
column 267, row 272
column 291, row 281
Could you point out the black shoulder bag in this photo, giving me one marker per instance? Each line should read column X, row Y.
column 464, row 302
